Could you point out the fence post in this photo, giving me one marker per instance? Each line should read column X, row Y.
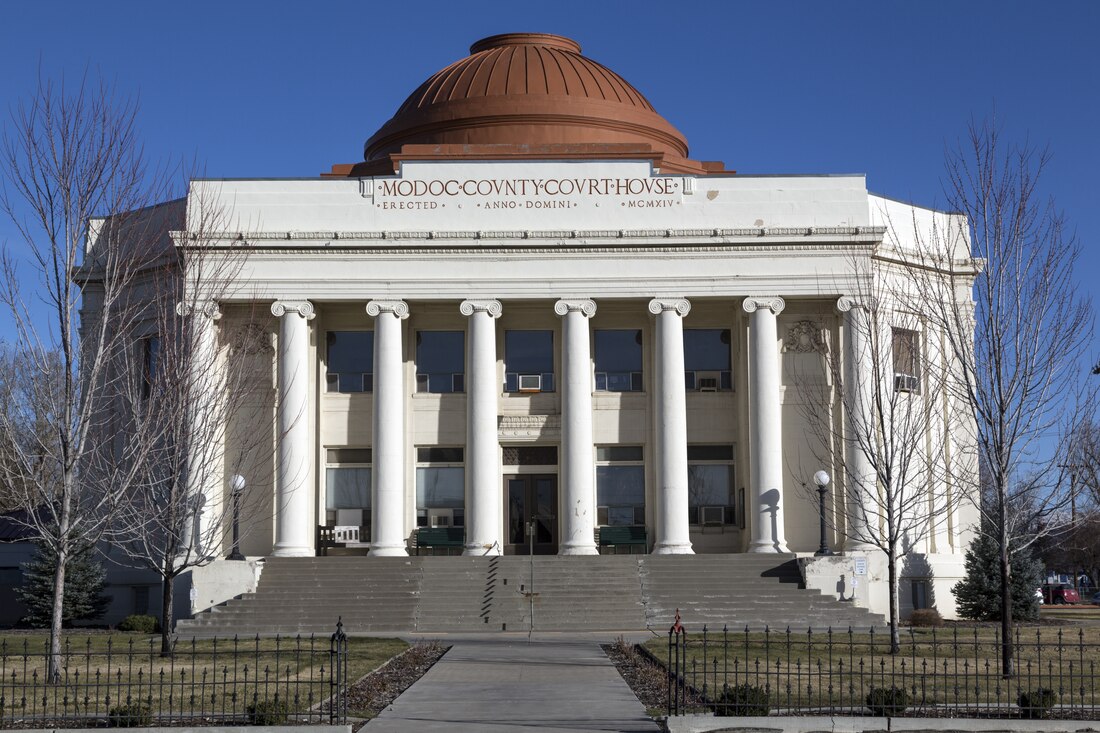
column 338, row 669
column 677, row 657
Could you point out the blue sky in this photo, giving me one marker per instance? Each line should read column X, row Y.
column 278, row 89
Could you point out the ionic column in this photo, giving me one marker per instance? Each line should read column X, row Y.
column 484, row 492
column 202, row 525
column 388, row 456
column 578, row 504
column 670, row 414
column 293, row 469
column 765, row 426
column 860, row 477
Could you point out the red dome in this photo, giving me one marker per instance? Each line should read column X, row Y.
column 528, row 89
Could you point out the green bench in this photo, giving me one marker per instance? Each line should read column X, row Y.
column 616, row 536
column 436, row 537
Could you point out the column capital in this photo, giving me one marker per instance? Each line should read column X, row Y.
column 207, row 308
column 849, row 302
column 302, row 307
column 586, row 306
column 772, row 302
column 470, row 307
column 682, row 306
column 398, row 308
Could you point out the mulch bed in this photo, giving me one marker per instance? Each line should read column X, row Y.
column 372, row 694
column 647, row 679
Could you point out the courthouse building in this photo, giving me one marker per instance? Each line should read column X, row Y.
column 528, row 313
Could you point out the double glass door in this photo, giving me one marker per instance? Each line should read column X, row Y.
column 532, row 505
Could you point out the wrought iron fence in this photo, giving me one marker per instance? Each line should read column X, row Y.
column 118, row 681
column 953, row 672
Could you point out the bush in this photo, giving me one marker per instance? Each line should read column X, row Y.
column 925, row 617
column 887, row 700
column 979, row 593
column 1037, row 703
column 139, row 623
column 268, row 712
column 130, row 715
column 742, row 700
column 84, row 598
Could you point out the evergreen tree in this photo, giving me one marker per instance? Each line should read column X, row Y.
column 978, row 595
column 85, row 580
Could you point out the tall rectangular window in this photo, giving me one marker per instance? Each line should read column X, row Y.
column 349, row 361
column 348, row 488
column 711, row 498
column 707, row 359
column 150, row 364
column 906, row 351
column 440, row 362
column 620, row 485
column 440, row 487
column 529, row 361
column 618, row 360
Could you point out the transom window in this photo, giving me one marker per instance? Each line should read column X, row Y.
column 707, row 359
column 529, row 361
column 620, row 485
column 348, row 488
column 349, row 361
column 711, row 499
column 618, row 360
column 440, row 362
column 440, row 487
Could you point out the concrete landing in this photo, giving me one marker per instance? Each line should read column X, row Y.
column 494, row 686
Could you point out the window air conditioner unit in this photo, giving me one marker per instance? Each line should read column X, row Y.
column 713, row 515
column 708, row 381
column 530, row 382
column 440, row 518
column 906, row 383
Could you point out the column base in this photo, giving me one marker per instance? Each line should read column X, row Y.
column 482, row 550
column 293, row 551
column 578, row 549
column 673, row 548
column 388, row 551
column 762, row 546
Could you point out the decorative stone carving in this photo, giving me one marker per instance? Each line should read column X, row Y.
column 251, row 339
column 399, row 308
column 208, row 308
column 528, row 426
column 805, row 337
column 847, row 302
column 681, row 305
column 492, row 307
column 772, row 302
column 303, row 307
column 587, row 307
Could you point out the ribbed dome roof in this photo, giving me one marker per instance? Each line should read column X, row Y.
column 525, row 89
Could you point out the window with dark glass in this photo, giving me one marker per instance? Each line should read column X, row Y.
column 440, row 362
column 529, row 361
column 440, row 487
column 348, row 488
column 906, row 352
column 707, row 359
column 711, row 499
column 349, row 361
column 150, row 364
column 620, row 485
column 618, row 360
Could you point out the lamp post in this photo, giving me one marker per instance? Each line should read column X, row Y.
column 236, row 485
column 822, row 480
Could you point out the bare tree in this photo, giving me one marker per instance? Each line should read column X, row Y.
column 79, row 192
column 1020, row 376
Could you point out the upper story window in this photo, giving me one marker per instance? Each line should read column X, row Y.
column 707, row 359
column 529, row 361
column 349, row 360
column 906, row 348
column 440, row 362
column 150, row 364
column 618, row 360
column 711, row 498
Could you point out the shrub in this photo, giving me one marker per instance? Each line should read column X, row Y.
column 139, row 623
column 130, row 715
column 887, row 700
column 268, row 712
column 925, row 617
column 1037, row 703
column 742, row 700
column 978, row 594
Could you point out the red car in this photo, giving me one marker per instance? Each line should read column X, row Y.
column 1060, row 594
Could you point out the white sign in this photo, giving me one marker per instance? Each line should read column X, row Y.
column 861, row 566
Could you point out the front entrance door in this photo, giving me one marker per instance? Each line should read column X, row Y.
column 531, row 498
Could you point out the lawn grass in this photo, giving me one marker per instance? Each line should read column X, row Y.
column 203, row 679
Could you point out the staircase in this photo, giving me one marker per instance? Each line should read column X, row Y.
column 510, row 593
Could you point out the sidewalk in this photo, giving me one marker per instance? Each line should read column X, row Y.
column 494, row 685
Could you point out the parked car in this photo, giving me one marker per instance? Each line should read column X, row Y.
column 1060, row 594
column 1095, row 599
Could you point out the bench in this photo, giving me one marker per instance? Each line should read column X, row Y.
column 618, row 535
column 436, row 537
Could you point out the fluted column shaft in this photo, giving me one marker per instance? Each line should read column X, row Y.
column 670, row 414
column 293, row 471
column 578, row 506
column 388, row 456
column 765, row 426
column 484, row 493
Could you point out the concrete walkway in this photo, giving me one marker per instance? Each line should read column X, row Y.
column 494, row 685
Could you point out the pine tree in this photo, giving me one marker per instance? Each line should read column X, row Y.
column 978, row 595
column 85, row 580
